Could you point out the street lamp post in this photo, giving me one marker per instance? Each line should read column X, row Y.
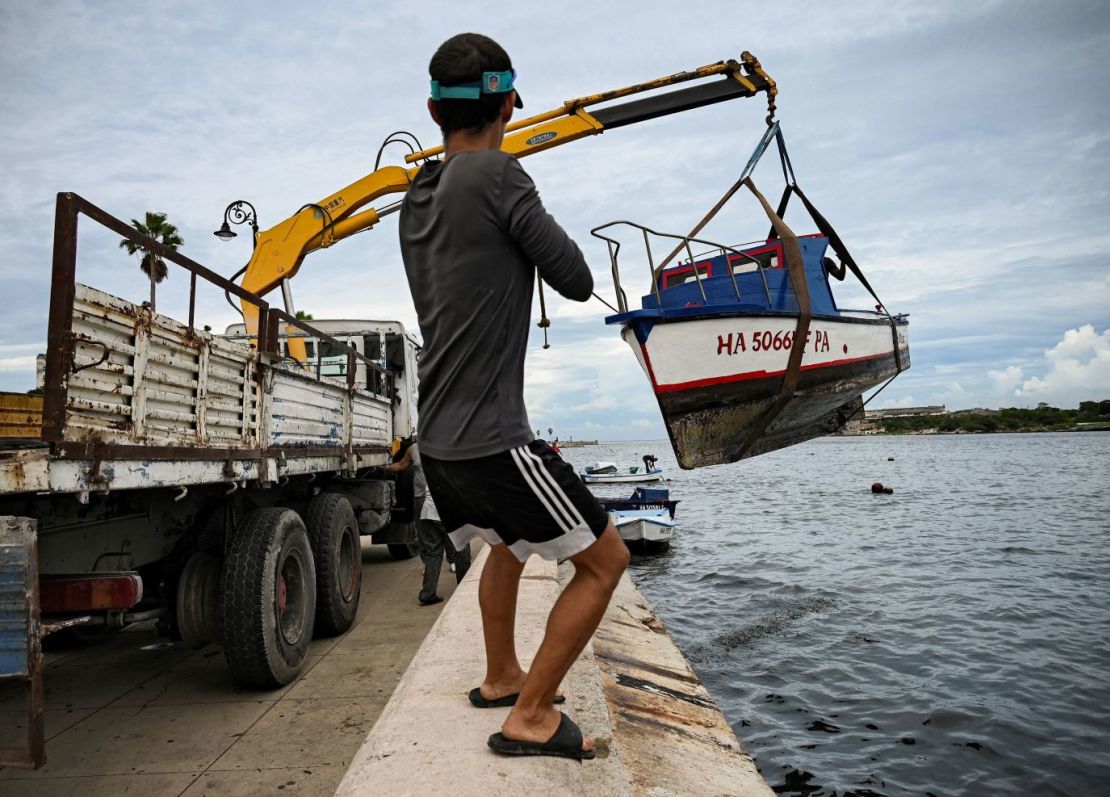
column 242, row 212
column 238, row 212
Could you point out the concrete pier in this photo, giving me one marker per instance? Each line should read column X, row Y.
column 655, row 727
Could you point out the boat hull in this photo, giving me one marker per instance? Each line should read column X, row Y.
column 651, row 529
column 716, row 377
column 622, row 478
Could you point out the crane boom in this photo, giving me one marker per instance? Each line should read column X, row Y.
column 280, row 250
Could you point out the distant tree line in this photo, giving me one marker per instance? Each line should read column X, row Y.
column 1091, row 414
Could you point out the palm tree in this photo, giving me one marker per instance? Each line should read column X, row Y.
column 156, row 227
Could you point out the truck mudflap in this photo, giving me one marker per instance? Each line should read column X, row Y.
column 20, row 633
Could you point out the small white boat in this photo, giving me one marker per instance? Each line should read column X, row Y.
column 609, row 473
column 645, row 518
column 631, row 476
column 650, row 526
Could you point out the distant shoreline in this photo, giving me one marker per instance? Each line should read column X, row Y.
column 918, row 433
column 1090, row 416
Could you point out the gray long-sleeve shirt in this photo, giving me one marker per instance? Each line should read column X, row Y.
column 473, row 232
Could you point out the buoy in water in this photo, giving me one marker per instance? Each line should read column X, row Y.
column 890, row 459
column 888, row 490
column 877, row 487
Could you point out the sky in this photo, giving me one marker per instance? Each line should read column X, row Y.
column 961, row 149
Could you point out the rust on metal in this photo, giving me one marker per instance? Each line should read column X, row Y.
column 98, row 451
column 60, row 320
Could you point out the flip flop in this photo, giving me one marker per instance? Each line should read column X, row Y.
column 566, row 742
column 476, row 699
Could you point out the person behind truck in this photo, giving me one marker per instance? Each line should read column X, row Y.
column 434, row 543
column 473, row 234
column 431, row 539
column 410, row 458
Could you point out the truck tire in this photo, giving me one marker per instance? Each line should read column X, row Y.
column 198, row 601
column 269, row 598
column 401, row 550
column 333, row 532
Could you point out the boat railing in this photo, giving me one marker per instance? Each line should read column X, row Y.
column 685, row 241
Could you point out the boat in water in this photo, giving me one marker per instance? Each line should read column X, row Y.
column 745, row 346
column 645, row 518
column 610, row 473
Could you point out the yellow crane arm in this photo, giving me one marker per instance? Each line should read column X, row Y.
column 280, row 250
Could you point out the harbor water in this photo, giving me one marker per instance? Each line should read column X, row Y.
column 951, row 638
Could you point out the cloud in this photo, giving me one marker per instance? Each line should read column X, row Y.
column 942, row 189
column 22, row 365
column 1006, row 380
column 904, row 401
column 1078, row 366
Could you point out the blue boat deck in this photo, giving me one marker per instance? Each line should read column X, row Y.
column 745, row 281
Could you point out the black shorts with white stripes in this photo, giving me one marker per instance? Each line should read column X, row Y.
column 528, row 498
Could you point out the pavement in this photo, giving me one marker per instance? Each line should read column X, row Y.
column 137, row 714
column 656, row 730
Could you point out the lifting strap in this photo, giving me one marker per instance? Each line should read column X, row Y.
column 795, row 267
column 846, row 259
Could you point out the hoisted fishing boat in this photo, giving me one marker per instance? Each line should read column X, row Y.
column 744, row 346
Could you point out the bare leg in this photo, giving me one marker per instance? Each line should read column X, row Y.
column 572, row 622
column 497, row 593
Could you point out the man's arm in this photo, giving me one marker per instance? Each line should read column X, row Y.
column 404, row 463
column 555, row 254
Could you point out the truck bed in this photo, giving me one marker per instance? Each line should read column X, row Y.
column 148, row 401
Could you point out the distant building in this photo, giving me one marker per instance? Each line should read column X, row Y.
column 905, row 412
column 975, row 411
column 859, row 426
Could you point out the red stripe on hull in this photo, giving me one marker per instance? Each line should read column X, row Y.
column 722, row 380
column 651, row 372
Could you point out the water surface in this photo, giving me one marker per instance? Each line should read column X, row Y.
column 950, row 639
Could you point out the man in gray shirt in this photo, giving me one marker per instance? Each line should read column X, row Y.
column 473, row 235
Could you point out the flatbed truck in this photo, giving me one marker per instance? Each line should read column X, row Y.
column 208, row 481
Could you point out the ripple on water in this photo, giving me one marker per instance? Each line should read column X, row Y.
column 772, row 621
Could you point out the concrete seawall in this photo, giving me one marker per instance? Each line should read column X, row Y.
column 655, row 727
